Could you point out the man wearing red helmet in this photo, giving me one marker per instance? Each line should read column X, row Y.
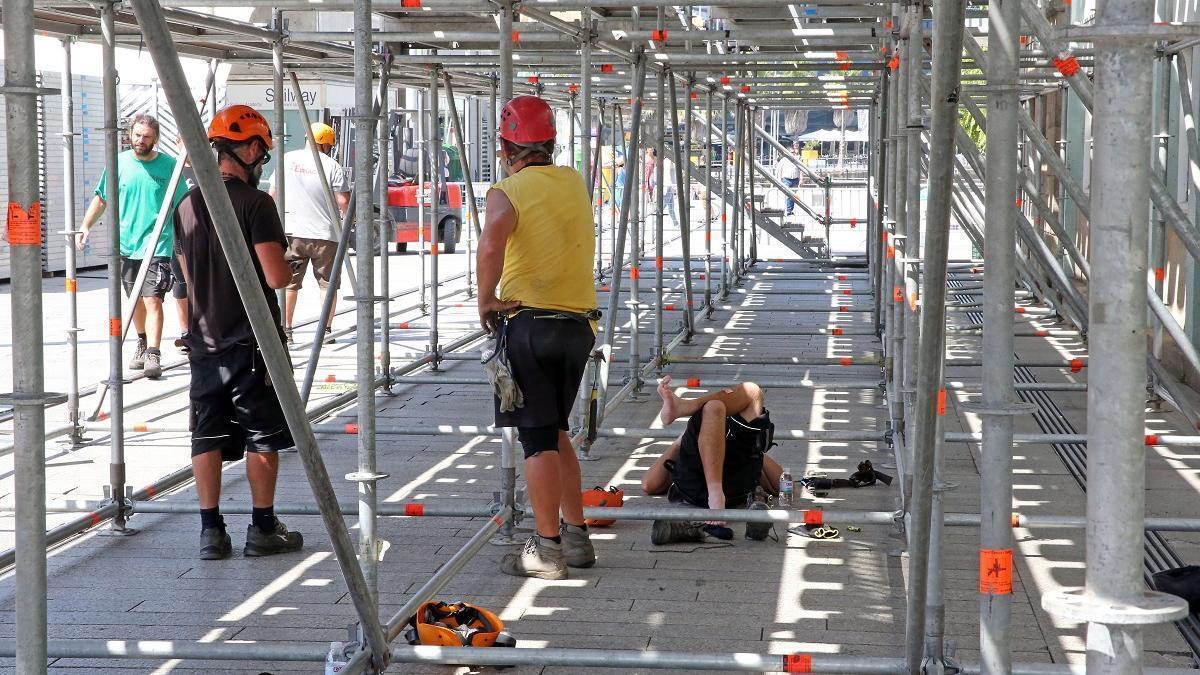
column 234, row 407
column 537, row 246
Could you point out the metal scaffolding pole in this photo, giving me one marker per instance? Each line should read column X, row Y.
column 752, row 148
column 683, row 190
column 585, row 90
column 69, row 231
column 912, row 70
column 436, row 179
column 1114, row 591
column 384, row 235
column 174, row 82
column 923, row 558
column 999, row 403
column 28, row 397
column 660, row 154
column 725, row 205
column 506, row 53
column 739, row 199
column 708, row 194
column 278, row 135
column 364, row 188
column 116, row 382
column 627, row 200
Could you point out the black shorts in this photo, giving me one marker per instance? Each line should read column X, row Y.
column 746, row 443
column 548, row 352
column 158, row 277
column 233, row 406
column 178, row 283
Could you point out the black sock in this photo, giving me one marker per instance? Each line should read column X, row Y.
column 557, row 540
column 264, row 518
column 142, row 337
column 211, row 518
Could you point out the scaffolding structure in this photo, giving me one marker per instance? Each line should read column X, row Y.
column 694, row 86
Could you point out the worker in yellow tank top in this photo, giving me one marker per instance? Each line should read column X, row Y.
column 536, row 292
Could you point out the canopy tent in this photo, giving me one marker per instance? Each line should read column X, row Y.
column 834, row 135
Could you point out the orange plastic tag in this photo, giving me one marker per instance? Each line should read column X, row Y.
column 897, row 294
column 140, row 427
column 1160, row 274
column 658, row 263
column 414, row 509
column 891, row 251
column 693, row 382
column 813, row 517
column 1076, row 365
column 114, row 326
column 837, row 331
column 25, row 225
column 941, row 403
column 634, row 273
column 72, row 285
column 843, row 309
column 995, row 571
column 797, row 663
column 1151, row 439
column 846, row 361
column 351, row 429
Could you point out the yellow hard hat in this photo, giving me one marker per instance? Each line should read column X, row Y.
column 323, row 134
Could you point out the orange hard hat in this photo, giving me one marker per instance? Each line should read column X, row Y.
column 239, row 123
column 527, row 120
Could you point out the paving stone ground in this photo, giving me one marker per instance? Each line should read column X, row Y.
column 843, row 596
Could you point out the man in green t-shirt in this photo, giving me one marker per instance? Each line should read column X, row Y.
column 143, row 175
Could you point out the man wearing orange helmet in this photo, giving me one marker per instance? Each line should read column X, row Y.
column 311, row 229
column 537, row 246
column 235, row 409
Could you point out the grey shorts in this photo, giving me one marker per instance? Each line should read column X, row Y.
column 158, row 277
column 301, row 251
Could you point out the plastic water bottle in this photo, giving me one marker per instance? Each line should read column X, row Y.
column 787, row 488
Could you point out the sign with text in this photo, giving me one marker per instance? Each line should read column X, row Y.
column 261, row 94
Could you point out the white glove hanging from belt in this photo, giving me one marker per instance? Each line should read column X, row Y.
column 494, row 359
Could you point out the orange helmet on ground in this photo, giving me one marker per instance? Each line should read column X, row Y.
column 239, row 123
column 527, row 120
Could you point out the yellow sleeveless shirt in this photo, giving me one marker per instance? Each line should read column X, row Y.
column 549, row 256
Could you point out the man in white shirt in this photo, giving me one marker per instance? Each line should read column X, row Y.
column 789, row 173
column 312, row 231
column 670, row 186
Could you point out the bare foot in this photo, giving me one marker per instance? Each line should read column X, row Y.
column 670, row 406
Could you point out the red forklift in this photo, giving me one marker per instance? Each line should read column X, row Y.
column 403, row 193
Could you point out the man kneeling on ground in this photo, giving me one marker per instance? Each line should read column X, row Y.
column 718, row 462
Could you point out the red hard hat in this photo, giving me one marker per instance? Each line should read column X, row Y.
column 527, row 120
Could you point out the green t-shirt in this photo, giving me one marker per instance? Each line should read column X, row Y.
column 143, row 186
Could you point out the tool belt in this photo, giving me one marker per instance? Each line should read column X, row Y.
column 582, row 317
column 442, row 624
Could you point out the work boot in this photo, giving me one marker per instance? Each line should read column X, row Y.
column 259, row 543
column 759, row 531
column 288, row 338
column 674, row 531
column 577, row 546
column 181, row 342
column 153, row 365
column 139, row 356
column 329, row 339
column 215, row 544
column 541, row 558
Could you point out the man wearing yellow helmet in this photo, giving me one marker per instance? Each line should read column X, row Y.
column 311, row 229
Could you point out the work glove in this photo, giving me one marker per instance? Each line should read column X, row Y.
column 495, row 364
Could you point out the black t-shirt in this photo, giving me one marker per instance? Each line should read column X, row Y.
column 217, row 318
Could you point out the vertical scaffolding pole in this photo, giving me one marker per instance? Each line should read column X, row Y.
column 508, row 443
column 422, row 176
column 116, row 383
column 947, row 62
column 628, row 199
column 739, row 198
column 752, row 148
column 436, row 178
column 28, row 400
column 585, row 90
column 71, row 282
column 571, row 130
column 999, row 395
column 166, row 61
column 900, row 230
column 912, row 72
column 385, row 218
column 364, row 127
column 708, row 286
column 506, row 52
column 660, row 150
column 683, row 189
column 725, row 205
column 278, row 137
column 1117, row 338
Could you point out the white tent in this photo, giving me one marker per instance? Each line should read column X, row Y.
column 835, row 135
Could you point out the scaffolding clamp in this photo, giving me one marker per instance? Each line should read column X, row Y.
column 29, row 91
column 44, row 398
